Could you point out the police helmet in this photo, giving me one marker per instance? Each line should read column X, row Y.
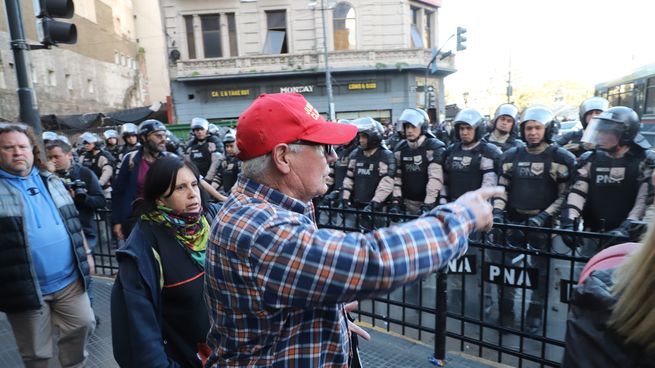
column 542, row 115
column 230, row 136
column 416, row 117
column 591, row 104
column 355, row 138
column 150, row 126
column 129, row 129
column 49, row 136
column 88, row 137
column 398, row 127
column 111, row 133
column 621, row 120
column 212, row 129
column 506, row 110
column 172, row 138
column 472, row 117
column 64, row 139
column 372, row 129
column 199, row 123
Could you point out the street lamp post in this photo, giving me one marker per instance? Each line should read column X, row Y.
column 328, row 75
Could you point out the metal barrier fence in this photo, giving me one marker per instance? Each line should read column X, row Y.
column 505, row 300
column 104, row 253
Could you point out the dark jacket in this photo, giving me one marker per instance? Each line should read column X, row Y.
column 589, row 342
column 124, row 186
column 138, row 326
column 19, row 286
column 94, row 199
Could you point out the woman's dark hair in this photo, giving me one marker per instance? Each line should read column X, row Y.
column 161, row 179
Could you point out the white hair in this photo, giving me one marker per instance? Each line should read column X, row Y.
column 257, row 168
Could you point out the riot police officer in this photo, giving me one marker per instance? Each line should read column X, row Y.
column 229, row 167
column 111, row 141
column 130, row 140
column 503, row 133
column 419, row 174
column 339, row 168
column 536, row 179
column 212, row 129
column 369, row 179
column 397, row 136
column 48, row 137
column 100, row 161
column 617, row 171
column 470, row 162
column 204, row 150
column 173, row 144
column 572, row 140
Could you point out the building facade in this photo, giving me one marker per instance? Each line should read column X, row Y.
column 102, row 72
column 224, row 53
column 151, row 41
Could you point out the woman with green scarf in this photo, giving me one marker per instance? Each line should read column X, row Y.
column 159, row 317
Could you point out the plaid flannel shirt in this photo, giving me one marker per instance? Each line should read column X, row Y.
column 275, row 284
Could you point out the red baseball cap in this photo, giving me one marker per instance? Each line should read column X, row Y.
column 284, row 118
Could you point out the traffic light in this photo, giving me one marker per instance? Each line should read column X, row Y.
column 432, row 97
column 461, row 38
column 51, row 31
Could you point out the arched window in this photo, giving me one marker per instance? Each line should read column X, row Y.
column 345, row 35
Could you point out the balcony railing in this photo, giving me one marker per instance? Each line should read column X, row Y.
column 306, row 62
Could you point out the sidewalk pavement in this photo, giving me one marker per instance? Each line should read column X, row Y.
column 384, row 349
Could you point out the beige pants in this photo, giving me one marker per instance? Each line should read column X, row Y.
column 70, row 311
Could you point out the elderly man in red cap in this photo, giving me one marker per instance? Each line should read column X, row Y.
column 276, row 285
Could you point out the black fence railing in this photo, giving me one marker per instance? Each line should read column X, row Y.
column 104, row 253
column 505, row 300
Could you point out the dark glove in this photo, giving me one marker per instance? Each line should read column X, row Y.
column 366, row 221
column 569, row 240
column 332, row 198
column 427, row 207
column 499, row 216
column 373, row 207
column 539, row 220
column 344, row 204
column 623, row 230
column 394, row 209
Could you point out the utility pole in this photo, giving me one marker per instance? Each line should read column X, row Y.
column 328, row 75
column 29, row 110
column 509, row 79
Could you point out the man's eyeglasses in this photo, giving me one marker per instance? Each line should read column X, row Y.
column 327, row 148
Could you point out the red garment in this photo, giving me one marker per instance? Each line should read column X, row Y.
column 144, row 167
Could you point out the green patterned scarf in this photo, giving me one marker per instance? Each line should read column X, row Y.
column 191, row 229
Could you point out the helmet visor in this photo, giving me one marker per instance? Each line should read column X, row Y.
column 602, row 133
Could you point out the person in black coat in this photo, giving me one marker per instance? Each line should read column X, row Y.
column 159, row 317
column 612, row 319
column 82, row 184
